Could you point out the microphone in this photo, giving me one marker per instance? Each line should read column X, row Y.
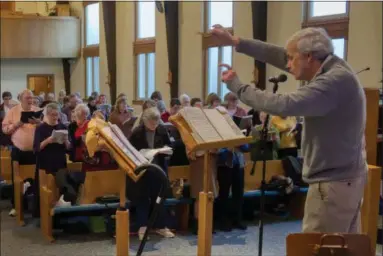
column 365, row 69
column 278, row 79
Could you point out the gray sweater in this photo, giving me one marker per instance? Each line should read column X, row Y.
column 334, row 108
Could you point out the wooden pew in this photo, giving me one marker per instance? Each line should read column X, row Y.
column 20, row 173
column 182, row 206
column 5, row 164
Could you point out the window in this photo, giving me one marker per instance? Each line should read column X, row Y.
column 220, row 13
column 214, row 52
column 145, row 75
column 146, row 15
column 144, row 50
column 322, row 8
column 332, row 16
column 91, row 51
column 92, row 24
column 215, row 56
column 339, row 47
column 92, row 75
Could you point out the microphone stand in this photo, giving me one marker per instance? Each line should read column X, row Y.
column 264, row 146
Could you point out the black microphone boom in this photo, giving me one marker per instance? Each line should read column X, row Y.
column 278, row 79
column 362, row 70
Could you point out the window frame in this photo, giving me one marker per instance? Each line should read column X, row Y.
column 337, row 25
column 208, row 41
column 140, row 46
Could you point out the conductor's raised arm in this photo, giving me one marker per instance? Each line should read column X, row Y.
column 261, row 51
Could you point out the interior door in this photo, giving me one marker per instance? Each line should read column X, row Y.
column 40, row 83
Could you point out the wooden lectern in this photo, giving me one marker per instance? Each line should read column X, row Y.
column 105, row 136
column 207, row 130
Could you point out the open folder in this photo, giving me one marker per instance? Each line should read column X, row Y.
column 26, row 115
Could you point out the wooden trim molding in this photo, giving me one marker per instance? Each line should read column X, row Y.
column 336, row 28
column 144, row 46
column 91, row 51
column 85, row 4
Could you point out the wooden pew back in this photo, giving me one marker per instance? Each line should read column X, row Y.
column 5, row 164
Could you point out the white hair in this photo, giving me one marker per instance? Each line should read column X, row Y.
column 313, row 40
column 52, row 106
column 25, row 91
column 183, row 98
column 151, row 114
column 82, row 108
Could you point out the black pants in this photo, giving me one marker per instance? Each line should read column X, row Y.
column 233, row 178
column 24, row 158
column 285, row 152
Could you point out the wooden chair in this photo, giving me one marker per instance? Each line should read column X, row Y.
column 21, row 173
column 304, row 244
column 5, row 164
column 97, row 184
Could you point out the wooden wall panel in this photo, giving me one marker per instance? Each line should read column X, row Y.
column 40, row 37
column 371, row 133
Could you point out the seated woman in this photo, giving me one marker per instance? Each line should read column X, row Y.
column 213, row 100
column 143, row 194
column 50, row 153
column 122, row 116
column 77, row 130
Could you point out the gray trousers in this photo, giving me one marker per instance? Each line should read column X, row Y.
column 334, row 206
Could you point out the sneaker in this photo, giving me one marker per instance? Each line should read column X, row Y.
column 12, row 213
column 141, row 233
column 62, row 203
column 165, row 232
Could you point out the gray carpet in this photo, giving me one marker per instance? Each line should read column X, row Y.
column 28, row 241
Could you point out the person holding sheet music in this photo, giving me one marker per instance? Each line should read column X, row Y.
column 21, row 133
column 213, row 100
column 286, row 127
column 333, row 104
column 175, row 106
column 149, row 135
column 5, row 140
column 50, row 152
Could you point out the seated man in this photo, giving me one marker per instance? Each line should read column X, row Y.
column 143, row 194
column 175, row 106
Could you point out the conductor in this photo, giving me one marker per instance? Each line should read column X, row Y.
column 333, row 105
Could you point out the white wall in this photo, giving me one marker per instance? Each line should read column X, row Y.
column 14, row 73
column 365, row 41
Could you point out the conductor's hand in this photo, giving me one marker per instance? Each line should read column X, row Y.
column 228, row 74
column 224, row 36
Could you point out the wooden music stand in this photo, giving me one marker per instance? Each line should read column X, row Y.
column 303, row 244
column 206, row 198
column 100, row 137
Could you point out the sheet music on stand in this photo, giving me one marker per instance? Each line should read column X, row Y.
column 118, row 137
column 209, row 125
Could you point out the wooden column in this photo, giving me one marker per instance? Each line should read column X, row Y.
column 109, row 14
column 172, row 34
column 259, row 17
column 66, row 69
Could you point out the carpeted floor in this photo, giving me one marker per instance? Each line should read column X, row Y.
column 28, row 241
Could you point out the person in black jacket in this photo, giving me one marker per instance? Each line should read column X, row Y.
column 142, row 194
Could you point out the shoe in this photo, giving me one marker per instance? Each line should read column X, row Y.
column 141, row 233
column 165, row 232
column 62, row 203
column 12, row 213
column 225, row 226
column 239, row 225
